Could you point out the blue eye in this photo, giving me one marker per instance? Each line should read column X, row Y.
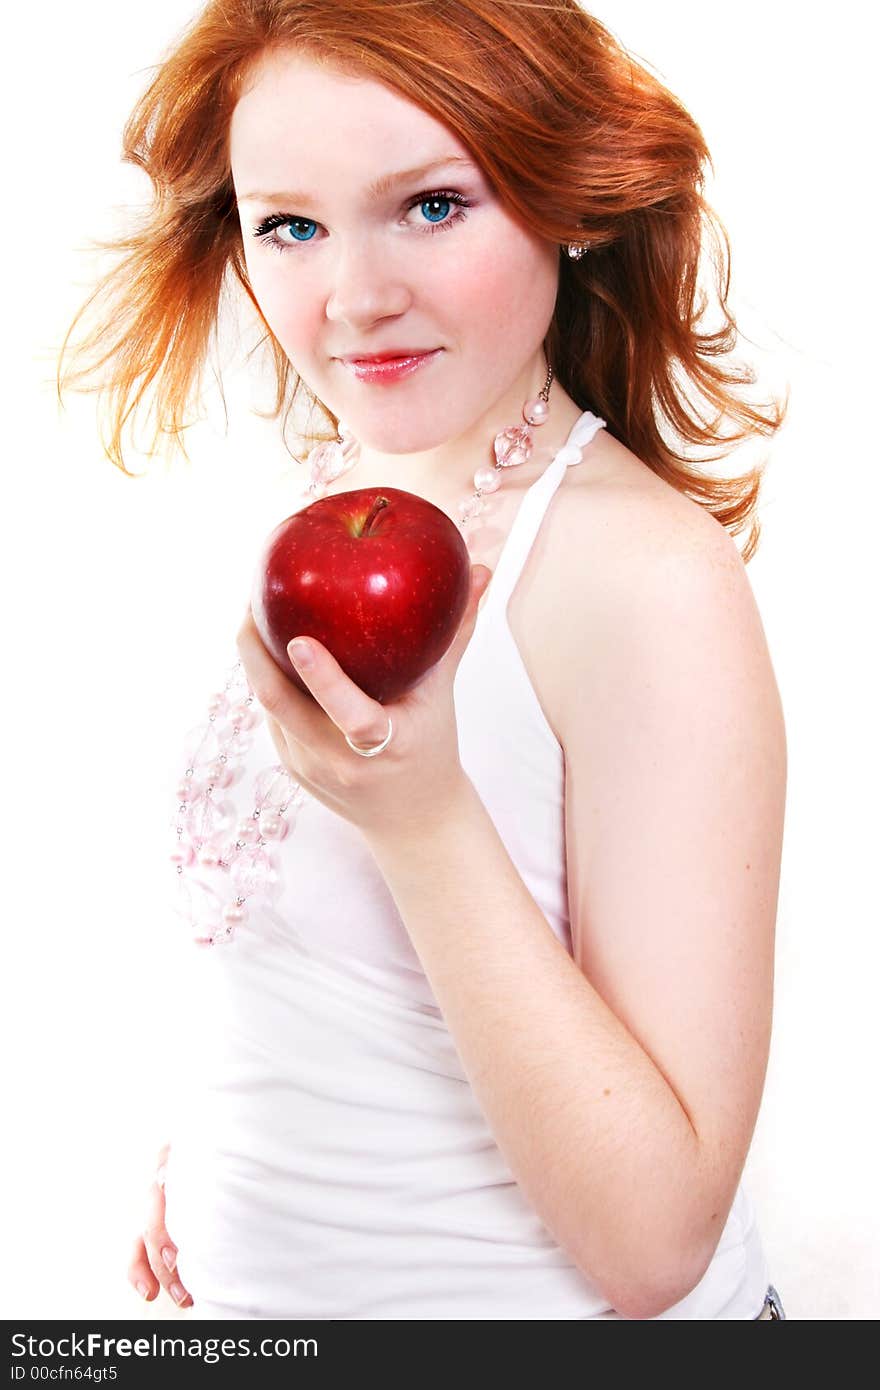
column 302, row 222
column 303, row 229
column 445, row 205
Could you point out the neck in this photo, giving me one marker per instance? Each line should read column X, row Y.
column 448, row 468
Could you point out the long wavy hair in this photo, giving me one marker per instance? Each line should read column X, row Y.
column 580, row 143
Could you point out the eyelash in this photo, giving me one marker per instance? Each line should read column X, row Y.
column 282, row 219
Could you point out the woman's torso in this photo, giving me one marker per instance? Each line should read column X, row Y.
column 329, row 1159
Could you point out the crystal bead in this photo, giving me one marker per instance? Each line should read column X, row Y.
column 487, row 479
column 274, row 788
column 234, row 914
column 513, row 446
column 242, row 716
column 225, row 848
column 222, row 934
column 237, row 687
column 253, row 871
column 324, row 462
column 209, row 857
column 201, row 746
column 199, row 906
column 217, row 703
column 205, row 818
column 182, row 854
column 470, row 507
column 329, row 461
column 235, row 740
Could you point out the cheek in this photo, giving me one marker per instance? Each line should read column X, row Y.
column 503, row 289
column 283, row 299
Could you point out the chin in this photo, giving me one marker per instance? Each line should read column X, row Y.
column 410, row 436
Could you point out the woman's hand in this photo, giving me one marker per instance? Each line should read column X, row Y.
column 417, row 777
column 154, row 1259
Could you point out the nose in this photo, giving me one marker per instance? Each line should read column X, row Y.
column 366, row 285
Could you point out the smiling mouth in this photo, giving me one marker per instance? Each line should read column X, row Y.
column 388, row 368
column 404, row 354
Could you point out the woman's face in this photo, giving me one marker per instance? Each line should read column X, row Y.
column 429, row 260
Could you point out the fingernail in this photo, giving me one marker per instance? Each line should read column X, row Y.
column 169, row 1256
column 142, row 1288
column 178, row 1293
column 300, row 653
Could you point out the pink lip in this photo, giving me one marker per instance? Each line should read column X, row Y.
column 387, row 368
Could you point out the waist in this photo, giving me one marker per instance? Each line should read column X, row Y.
column 331, row 1161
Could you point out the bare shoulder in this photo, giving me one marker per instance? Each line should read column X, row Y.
column 675, row 769
column 623, row 549
column 635, row 518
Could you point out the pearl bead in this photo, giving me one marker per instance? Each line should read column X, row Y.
column 470, row 507
column 536, row 411
column 248, row 832
column 234, row 914
column 186, row 789
column 242, row 715
column 273, row 826
column 487, row 479
column 209, row 857
column 219, row 774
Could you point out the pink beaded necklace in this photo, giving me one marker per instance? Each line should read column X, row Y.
column 223, row 858
column 512, row 446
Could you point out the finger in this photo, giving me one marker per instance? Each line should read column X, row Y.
column 278, row 695
column 481, row 576
column 277, row 735
column 140, row 1275
column 161, row 1251
column 353, row 712
column 139, row 1272
column 161, row 1163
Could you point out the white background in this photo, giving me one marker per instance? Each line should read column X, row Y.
column 122, row 599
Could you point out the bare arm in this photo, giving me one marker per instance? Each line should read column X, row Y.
column 622, row 1086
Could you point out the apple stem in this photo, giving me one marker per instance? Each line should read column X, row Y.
column 374, row 511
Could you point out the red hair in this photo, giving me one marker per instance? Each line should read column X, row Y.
column 580, row 143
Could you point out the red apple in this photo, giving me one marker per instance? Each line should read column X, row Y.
column 379, row 576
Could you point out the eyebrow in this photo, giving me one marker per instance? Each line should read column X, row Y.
column 376, row 189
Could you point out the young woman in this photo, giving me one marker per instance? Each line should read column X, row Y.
column 482, row 977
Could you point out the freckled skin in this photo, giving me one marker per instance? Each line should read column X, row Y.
column 316, row 578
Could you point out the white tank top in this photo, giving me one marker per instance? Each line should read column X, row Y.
column 329, row 1159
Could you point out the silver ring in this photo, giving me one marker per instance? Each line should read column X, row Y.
column 371, row 752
